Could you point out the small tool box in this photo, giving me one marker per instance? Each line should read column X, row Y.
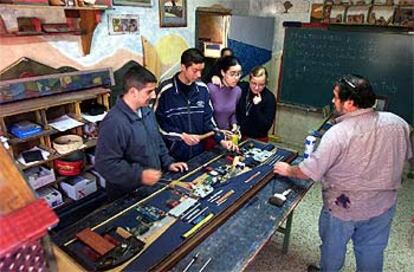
column 25, row 129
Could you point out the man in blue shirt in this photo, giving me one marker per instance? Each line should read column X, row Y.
column 130, row 152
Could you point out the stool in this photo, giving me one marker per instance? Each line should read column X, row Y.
column 411, row 235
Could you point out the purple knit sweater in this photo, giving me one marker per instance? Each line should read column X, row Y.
column 224, row 102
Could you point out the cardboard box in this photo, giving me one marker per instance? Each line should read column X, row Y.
column 78, row 187
column 90, row 156
column 99, row 178
column 39, row 176
column 52, row 196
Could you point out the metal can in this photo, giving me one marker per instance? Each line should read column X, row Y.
column 235, row 139
column 309, row 146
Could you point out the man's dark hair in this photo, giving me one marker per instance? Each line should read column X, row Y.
column 137, row 77
column 226, row 62
column 192, row 56
column 356, row 88
column 226, row 49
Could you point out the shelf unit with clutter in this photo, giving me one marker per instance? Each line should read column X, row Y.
column 26, row 18
column 48, row 124
column 395, row 13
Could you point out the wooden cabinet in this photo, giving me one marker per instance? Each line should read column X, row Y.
column 212, row 26
column 41, row 111
column 88, row 17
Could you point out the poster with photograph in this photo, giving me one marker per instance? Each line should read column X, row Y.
column 123, row 24
column 137, row 3
column 173, row 13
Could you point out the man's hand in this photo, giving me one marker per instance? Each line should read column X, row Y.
column 150, row 176
column 229, row 145
column 178, row 167
column 190, row 139
column 234, row 128
column 282, row 168
column 216, row 80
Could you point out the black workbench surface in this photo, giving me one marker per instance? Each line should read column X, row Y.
column 240, row 239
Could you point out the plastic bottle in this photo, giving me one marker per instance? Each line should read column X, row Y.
column 309, row 146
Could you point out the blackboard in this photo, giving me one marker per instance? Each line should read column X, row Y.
column 314, row 58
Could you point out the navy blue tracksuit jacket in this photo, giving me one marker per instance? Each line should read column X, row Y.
column 177, row 113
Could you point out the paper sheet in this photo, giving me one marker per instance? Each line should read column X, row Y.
column 64, row 123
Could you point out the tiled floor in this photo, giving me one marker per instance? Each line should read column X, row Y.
column 304, row 244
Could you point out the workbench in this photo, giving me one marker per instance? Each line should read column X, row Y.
column 237, row 242
column 239, row 229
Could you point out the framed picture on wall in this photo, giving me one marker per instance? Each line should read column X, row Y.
column 381, row 103
column 138, row 3
column 173, row 13
column 123, row 24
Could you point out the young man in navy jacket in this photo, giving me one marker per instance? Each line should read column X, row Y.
column 183, row 109
column 130, row 152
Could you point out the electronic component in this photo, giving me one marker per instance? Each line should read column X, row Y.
column 172, row 203
column 182, row 207
column 140, row 228
column 221, row 170
column 213, row 173
column 268, row 147
column 150, row 213
column 203, row 190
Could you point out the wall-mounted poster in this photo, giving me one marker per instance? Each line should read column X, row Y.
column 173, row 13
column 316, row 13
column 123, row 24
column 138, row 3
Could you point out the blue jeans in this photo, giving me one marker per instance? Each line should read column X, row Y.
column 370, row 238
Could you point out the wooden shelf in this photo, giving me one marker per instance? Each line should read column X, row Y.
column 46, row 102
column 90, row 17
column 28, row 6
column 25, row 34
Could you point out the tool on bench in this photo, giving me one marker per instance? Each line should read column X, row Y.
column 279, row 199
column 216, row 194
column 196, row 227
column 224, row 197
column 215, row 131
column 205, row 265
column 252, row 177
column 197, row 215
column 195, row 257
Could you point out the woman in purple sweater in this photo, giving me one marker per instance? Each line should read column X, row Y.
column 225, row 97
